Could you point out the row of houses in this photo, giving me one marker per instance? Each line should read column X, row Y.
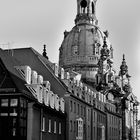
column 39, row 100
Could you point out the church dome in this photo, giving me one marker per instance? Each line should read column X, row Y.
column 81, row 46
column 80, row 49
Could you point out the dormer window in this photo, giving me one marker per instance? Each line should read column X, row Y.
column 75, row 50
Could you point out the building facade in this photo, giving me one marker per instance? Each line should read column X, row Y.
column 29, row 110
column 87, row 50
column 82, row 98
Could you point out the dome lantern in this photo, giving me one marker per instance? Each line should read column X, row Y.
column 86, row 12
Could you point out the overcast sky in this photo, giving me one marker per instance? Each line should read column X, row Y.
column 32, row 23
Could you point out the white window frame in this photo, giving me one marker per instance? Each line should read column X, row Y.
column 55, row 127
column 43, row 123
column 49, row 130
column 60, row 127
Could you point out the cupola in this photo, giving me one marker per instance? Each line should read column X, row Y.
column 81, row 47
column 86, row 12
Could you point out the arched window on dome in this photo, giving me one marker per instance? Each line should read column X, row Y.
column 97, row 45
column 93, row 49
column 97, row 79
column 93, row 8
column 75, row 50
column 109, row 78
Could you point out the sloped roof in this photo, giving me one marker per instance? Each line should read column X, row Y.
column 30, row 57
column 10, row 62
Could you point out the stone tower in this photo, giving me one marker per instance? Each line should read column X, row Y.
column 80, row 49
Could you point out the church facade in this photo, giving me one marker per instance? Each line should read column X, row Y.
column 87, row 50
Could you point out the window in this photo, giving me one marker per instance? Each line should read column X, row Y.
column 81, row 110
column 14, row 131
column 4, row 102
column 94, row 116
column 93, row 49
column 71, row 125
column 43, row 123
column 13, row 111
column 75, row 50
column 93, row 8
column 14, row 126
column 71, row 106
column 84, row 111
column 3, row 114
column 79, row 133
column 49, row 130
column 83, row 6
column 54, row 126
column 13, row 102
column 74, row 107
column 97, row 48
column 74, row 126
column 23, row 116
column 60, row 128
column 88, row 114
column 93, row 131
column 78, row 109
column 110, row 78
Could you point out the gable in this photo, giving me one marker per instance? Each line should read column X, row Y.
column 9, row 76
column 5, row 78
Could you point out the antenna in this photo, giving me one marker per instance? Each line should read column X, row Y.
column 8, row 47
